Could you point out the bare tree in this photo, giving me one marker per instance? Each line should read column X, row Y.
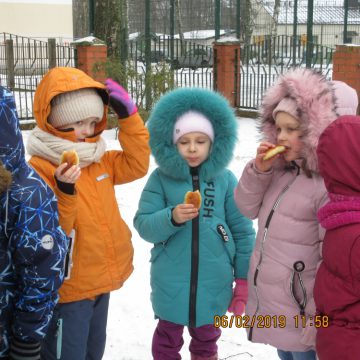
column 275, row 19
column 110, row 23
column 80, row 12
column 179, row 23
column 248, row 15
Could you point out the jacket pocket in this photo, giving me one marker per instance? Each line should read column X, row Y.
column 223, row 235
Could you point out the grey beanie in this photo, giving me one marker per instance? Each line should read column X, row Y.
column 70, row 107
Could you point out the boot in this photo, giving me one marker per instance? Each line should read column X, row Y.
column 198, row 357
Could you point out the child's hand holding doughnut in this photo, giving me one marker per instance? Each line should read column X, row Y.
column 267, row 153
column 189, row 209
column 68, row 170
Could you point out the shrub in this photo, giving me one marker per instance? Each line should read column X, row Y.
column 145, row 88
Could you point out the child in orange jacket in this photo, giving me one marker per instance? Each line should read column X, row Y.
column 70, row 110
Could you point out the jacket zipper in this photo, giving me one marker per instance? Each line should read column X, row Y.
column 194, row 255
column 267, row 224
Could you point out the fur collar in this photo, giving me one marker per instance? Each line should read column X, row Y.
column 316, row 109
column 161, row 123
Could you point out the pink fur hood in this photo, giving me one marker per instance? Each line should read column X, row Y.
column 316, row 108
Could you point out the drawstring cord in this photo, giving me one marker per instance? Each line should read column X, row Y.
column 298, row 268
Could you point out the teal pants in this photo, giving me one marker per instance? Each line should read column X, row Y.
column 77, row 330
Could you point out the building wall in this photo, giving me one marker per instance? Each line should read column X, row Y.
column 326, row 34
column 37, row 19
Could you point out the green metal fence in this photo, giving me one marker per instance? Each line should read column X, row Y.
column 24, row 61
column 175, row 38
column 274, row 37
column 262, row 62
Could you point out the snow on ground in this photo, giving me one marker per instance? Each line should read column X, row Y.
column 131, row 322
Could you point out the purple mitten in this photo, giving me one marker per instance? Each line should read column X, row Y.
column 239, row 299
column 120, row 100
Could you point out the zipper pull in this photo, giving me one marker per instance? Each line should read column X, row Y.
column 59, row 338
column 221, row 230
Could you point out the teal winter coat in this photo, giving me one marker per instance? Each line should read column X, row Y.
column 193, row 265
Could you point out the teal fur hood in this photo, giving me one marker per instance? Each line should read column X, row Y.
column 161, row 124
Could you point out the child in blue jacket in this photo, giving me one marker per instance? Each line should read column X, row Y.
column 197, row 253
column 32, row 245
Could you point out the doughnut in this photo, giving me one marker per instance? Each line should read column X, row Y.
column 274, row 151
column 193, row 197
column 71, row 158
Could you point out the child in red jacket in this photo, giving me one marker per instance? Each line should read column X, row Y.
column 337, row 285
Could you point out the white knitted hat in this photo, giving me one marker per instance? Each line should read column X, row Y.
column 73, row 106
column 192, row 121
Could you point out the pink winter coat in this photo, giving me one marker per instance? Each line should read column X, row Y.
column 293, row 235
column 286, row 202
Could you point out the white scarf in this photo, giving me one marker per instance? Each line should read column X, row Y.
column 41, row 143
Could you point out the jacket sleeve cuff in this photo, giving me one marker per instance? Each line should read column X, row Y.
column 254, row 179
column 66, row 188
column 172, row 219
column 20, row 350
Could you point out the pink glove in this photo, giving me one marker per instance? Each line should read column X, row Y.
column 120, row 100
column 239, row 299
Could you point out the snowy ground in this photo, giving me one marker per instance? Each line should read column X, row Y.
column 131, row 322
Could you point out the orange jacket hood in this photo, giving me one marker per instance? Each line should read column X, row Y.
column 60, row 80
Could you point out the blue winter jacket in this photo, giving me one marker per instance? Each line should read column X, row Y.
column 193, row 265
column 32, row 245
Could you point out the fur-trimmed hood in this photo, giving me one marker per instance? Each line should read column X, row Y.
column 162, row 120
column 316, row 108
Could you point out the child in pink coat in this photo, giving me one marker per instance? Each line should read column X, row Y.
column 285, row 193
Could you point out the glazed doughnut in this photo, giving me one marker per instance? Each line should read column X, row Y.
column 274, row 151
column 193, row 197
column 71, row 158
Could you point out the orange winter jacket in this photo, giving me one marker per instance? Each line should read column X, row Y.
column 102, row 253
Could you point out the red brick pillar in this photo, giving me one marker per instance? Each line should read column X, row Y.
column 346, row 65
column 91, row 55
column 227, row 69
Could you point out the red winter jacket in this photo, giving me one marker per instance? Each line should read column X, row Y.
column 337, row 285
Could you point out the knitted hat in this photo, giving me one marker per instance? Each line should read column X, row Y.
column 346, row 98
column 73, row 106
column 287, row 105
column 192, row 121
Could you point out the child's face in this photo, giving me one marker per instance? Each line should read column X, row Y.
column 194, row 147
column 83, row 129
column 289, row 135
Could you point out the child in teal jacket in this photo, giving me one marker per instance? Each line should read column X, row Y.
column 197, row 253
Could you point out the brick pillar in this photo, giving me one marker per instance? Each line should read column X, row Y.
column 91, row 54
column 346, row 65
column 227, row 69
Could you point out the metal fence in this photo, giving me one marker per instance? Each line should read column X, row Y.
column 273, row 39
column 175, row 38
column 318, row 21
column 24, row 61
column 263, row 61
